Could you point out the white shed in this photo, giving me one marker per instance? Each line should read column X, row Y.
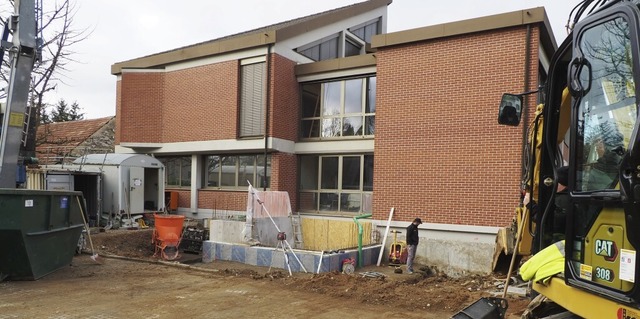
column 132, row 183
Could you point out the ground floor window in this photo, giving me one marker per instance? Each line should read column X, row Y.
column 177, row 170
column 233, row 171
column 336, row 183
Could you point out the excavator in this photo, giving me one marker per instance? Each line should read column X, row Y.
column 578, row 224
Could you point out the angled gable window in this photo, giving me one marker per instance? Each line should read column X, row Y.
column 367, row 30
column 324, row 49
column 252, row 99
column 352, row 47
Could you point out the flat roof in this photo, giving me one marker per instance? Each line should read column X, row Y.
column 536, row 15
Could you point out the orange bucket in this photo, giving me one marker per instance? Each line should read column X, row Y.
column 167, row 235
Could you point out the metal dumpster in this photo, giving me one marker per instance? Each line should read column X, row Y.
column 39, row 231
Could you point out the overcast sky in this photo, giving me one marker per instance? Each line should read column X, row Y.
column 127, row 29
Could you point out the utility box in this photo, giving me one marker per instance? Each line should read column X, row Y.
column 132, row 183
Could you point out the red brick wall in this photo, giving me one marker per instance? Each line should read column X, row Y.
column 222, row 200
column 201, row 103
column 285, row 100
column 184, row 198
column 284, row 167
column 118, row 112
column 438, row 146
column 140, row 110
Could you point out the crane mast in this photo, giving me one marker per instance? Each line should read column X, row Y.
column 22, row 54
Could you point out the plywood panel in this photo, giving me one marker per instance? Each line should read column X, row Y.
column 321, row 234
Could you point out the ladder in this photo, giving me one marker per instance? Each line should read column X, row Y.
column 297, row 230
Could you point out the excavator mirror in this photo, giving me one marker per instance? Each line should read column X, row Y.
column 510, row 109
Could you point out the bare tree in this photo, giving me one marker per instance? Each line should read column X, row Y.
column 57, row 36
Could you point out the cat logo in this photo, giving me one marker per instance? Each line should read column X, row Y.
column 607, row 249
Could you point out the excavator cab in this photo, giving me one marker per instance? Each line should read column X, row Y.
column 583, row 172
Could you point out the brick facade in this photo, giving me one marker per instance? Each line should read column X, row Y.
column 284, row 176
column 141, row 107
column 440, row 153
column 206, row 97
column 222, row 200
column 285, row 100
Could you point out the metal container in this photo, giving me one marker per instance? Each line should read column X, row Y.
column 39, row 231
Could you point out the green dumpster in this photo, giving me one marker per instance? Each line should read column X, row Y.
column 39, row 232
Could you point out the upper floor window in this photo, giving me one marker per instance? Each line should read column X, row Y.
column 339, row 108
column 367, row 30
column 252, row 99
column 233, row 171
column 177, row 170
column 324, row 49
column 345, row 43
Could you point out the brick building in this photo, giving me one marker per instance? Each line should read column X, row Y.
column 357, row 120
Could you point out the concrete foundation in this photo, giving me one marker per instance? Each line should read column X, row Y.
column 271, row 257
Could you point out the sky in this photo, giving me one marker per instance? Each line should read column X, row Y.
column 124, row 29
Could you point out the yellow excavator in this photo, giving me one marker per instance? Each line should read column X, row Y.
column 578, row 225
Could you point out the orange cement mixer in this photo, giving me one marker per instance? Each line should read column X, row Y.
column 167, row 235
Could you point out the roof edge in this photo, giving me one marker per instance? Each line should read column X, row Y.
column 197, row 51
column 497, row 21
column 250, row 40
column 339, row 64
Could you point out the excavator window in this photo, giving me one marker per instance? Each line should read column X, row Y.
column 607, row 112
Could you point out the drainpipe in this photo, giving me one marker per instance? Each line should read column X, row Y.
column 266, row 116
column 525, row 121
column 355, row 220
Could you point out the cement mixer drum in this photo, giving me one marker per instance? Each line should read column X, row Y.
column 167, row 235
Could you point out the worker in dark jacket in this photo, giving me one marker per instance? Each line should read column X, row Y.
column 412, row 243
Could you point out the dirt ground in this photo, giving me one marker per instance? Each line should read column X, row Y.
column 138, row 285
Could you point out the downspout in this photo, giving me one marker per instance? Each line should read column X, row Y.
column 266, row 116
column 527, row 61
column 355, row 220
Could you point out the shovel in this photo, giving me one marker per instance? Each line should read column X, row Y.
column 94, row 255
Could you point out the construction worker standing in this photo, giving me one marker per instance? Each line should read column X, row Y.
column 412, row 243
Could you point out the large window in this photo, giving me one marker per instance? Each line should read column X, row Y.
column 178, row 170
column 339, row 109
column 338, row 183
column 252, row 99
column 233, row 171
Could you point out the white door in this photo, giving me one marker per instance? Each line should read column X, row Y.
column 136, row 190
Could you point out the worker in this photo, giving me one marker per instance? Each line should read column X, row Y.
column 412, row 243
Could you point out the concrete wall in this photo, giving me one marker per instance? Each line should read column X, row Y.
column 296, row 261
column 226, row 231
column 454, row 249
